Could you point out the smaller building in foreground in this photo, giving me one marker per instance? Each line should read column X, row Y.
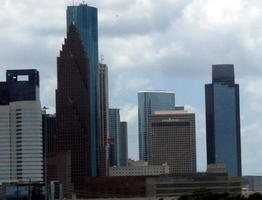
column 142, row 170
column 215, row 179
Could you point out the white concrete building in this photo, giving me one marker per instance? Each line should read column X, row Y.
column 21, row 147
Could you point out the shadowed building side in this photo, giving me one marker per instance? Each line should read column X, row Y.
column 73, row 107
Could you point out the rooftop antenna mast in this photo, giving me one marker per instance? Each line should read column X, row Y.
column 102, row 59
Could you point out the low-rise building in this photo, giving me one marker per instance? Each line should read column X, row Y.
column 185, row 184
column 139, row 170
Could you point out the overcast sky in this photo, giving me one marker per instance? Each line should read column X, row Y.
column 151, row 44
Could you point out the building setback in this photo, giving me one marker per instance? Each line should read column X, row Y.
column 123, row 144
column 172, row 140
column 73, row 108
column 149, row 102
column 104, row 136
column 114, row 133
column 84, row 17
column 21, row 149
column 223, row 119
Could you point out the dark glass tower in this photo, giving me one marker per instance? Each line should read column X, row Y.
column 123, row 144
column 223, row 119
column 73, row 107
column 84, row 18
column 114, row 132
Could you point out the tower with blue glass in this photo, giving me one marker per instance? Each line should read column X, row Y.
column 84, row 17
column 223, row 119
column 148, row 102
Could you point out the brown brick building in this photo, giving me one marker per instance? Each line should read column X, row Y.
column 172, row 140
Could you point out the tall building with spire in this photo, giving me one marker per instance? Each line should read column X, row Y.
column 84, row 18
column 223, row 119
column 73, row 107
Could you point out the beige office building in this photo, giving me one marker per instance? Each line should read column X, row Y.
column 172, row 140
column 139, row 170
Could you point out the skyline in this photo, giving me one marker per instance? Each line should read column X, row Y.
column 175, row 57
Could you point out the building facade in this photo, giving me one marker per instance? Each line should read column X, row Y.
column 148, row 103
column 123, row 144
column 49, row 132
column 114, row 132
column 172, row 140
column 21, row 149
column 223, row 119
column 104, row 136
column 148, row 170
column 74, row 133
column 84, row 17
column 186, row 184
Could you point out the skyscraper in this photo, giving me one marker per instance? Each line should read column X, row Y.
column 148, row 103
column 123, row 144
column 172, row 140
column 114, row 132
column 73, row 107
column 84, row 17
column 21, row 149
column 104, row 136
column 223, row 119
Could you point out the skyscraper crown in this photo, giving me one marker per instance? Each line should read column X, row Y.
column 223, row 73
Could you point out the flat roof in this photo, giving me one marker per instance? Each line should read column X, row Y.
column 156, row 91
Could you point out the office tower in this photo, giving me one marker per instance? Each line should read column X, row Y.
column 111, row 143
column 172, row 140
column 21, row 150
column 103, row 139
column 123, row 140
column 223, row 119
column 49, row 132
column 84, row 17
column 148, row 103
column 73, row 108
column 114, row 132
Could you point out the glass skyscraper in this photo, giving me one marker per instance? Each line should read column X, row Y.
column 223, row 119
column 84, row 17
column 114, row 132
column 149, row 102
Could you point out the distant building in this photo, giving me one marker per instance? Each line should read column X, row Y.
column 114, row 132
column 185, row 184
column 21, row 149
column 123, row 144
column 223, row 119
column 149, row 102
column 84, row 17
column 254, row 183
column 49, row 132
column 172, row 140
column 103, row 153
column 111, row 143
column 139, row 170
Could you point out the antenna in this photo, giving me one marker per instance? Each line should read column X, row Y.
column 102, row 58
